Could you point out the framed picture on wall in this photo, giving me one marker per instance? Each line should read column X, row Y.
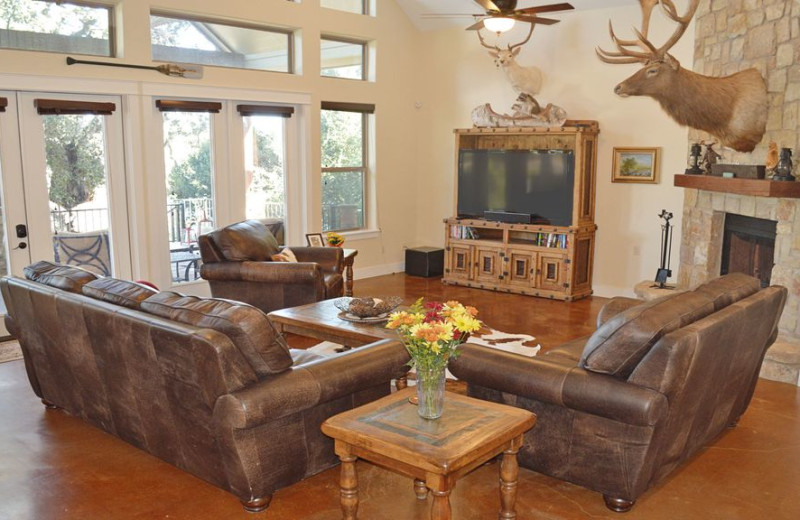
column 315, row 240
column 637, row 165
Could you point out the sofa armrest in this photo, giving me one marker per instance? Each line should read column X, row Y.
column 557, row 384
column 312, row 383
column 268, row 272
column 330, row 259
column 615, row 306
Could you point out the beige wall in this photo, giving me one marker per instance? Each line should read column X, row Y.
column 392, row 93
column 459, row 75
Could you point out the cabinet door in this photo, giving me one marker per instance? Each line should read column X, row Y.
column 489, row 264
column 551, row 272
column 520, row 266
column 459, row 264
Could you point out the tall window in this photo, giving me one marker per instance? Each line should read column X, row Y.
column 208, row 42
column 66, row 27
column 351, row 6
column 189, row 166
column 344, row 165
column 265, row 166
column 340, row 58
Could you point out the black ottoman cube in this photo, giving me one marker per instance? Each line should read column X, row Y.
column 424, row 261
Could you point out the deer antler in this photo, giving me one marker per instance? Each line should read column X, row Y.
column 627, row 55
column 523, row 42
column 483, row 42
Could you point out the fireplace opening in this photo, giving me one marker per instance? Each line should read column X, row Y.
column 748, row 246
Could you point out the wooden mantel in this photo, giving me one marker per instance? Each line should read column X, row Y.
column 755, row 187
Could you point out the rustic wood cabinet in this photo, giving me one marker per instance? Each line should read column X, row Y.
column 539, row 260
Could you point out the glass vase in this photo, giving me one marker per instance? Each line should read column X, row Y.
column 430, row 392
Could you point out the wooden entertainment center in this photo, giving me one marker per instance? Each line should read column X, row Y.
column 535, row 259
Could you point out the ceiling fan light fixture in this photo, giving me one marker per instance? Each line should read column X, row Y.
column 499, row 24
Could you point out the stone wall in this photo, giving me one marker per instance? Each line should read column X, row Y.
column 733, row 35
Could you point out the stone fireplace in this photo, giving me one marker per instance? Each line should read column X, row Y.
column 748, row 246
column 701, row 250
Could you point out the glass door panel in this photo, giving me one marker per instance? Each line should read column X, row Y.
column 190, row 190
column 265, row 171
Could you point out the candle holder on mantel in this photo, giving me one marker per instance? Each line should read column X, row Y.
column 694, row 161
column 783, row 172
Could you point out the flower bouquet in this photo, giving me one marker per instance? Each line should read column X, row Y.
column 334, row 239
column 432, row 333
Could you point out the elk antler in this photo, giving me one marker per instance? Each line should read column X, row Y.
column 523, row 42
column 483, row 42
column 627, row 55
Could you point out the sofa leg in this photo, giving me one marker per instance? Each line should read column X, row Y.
column 49, row 405
column 620, row 505
column 257, row 505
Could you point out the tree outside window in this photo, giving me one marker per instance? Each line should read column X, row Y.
column 343, row 169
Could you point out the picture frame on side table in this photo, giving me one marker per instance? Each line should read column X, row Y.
column 315, row 240
column 636, row 165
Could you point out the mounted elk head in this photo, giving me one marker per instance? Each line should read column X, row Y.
column 522, row 79
column 732, row 108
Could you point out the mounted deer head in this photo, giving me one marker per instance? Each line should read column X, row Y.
column 522, row 79
column 732, row 108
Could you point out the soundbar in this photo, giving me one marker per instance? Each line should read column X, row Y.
column 506, row 216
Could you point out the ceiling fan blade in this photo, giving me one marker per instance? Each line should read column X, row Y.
column 475, row 26
column 533, row 19
column 546, row 8
column 488, row 5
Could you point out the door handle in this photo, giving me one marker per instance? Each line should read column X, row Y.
column 21, row 231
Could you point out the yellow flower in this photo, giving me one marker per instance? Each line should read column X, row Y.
column 466, row 323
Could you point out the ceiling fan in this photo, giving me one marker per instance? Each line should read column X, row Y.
column 501, row 15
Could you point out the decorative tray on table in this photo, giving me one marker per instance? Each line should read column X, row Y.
column 366, row 310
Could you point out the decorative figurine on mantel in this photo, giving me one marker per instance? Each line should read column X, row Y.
column 694, row 161
column 709, row 157
column 783, row 172
column 771, row 162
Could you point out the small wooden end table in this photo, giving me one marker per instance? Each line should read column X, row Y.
column 435, row 453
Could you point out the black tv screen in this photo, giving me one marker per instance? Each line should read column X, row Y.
column 535, row 182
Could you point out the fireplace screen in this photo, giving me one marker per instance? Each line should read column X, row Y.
column 748, row 246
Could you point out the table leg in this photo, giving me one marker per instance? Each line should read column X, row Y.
column 441, row 505
column 401, row 382
column 420, row 489
column 509, row 471
column 348, row 278
column 348, row 487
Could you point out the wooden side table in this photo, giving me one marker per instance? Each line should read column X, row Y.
column 435, row 453
column 349, row 258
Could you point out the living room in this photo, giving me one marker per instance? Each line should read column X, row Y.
column 423, row 84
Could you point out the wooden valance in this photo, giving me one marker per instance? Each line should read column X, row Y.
column 265, row 110
column 179, row 105
column 3, row 104
column 364, row 108
column 49, row 107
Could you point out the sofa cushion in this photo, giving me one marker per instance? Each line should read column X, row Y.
column 119, row 292
column 65, row 277
column 247, row 327
column 729, row 289
column 245, row 241
column 622, row 341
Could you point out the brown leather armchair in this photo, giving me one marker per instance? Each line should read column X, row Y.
column 237, row 264
column 658, row 381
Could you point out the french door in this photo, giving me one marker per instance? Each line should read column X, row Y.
column 63, row 182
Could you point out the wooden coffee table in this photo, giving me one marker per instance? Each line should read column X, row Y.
column 321, row 320
column 435, row 453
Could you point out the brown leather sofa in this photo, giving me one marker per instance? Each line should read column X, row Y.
column 658, row 381
column 204, row 384
column 237, row 264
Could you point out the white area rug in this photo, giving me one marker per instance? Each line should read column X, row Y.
column 10, row 351
column 521, row 344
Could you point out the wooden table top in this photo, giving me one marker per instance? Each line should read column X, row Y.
column 321, row 320
column 468, row 430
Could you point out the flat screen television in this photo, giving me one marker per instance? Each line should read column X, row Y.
column 534, row 182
